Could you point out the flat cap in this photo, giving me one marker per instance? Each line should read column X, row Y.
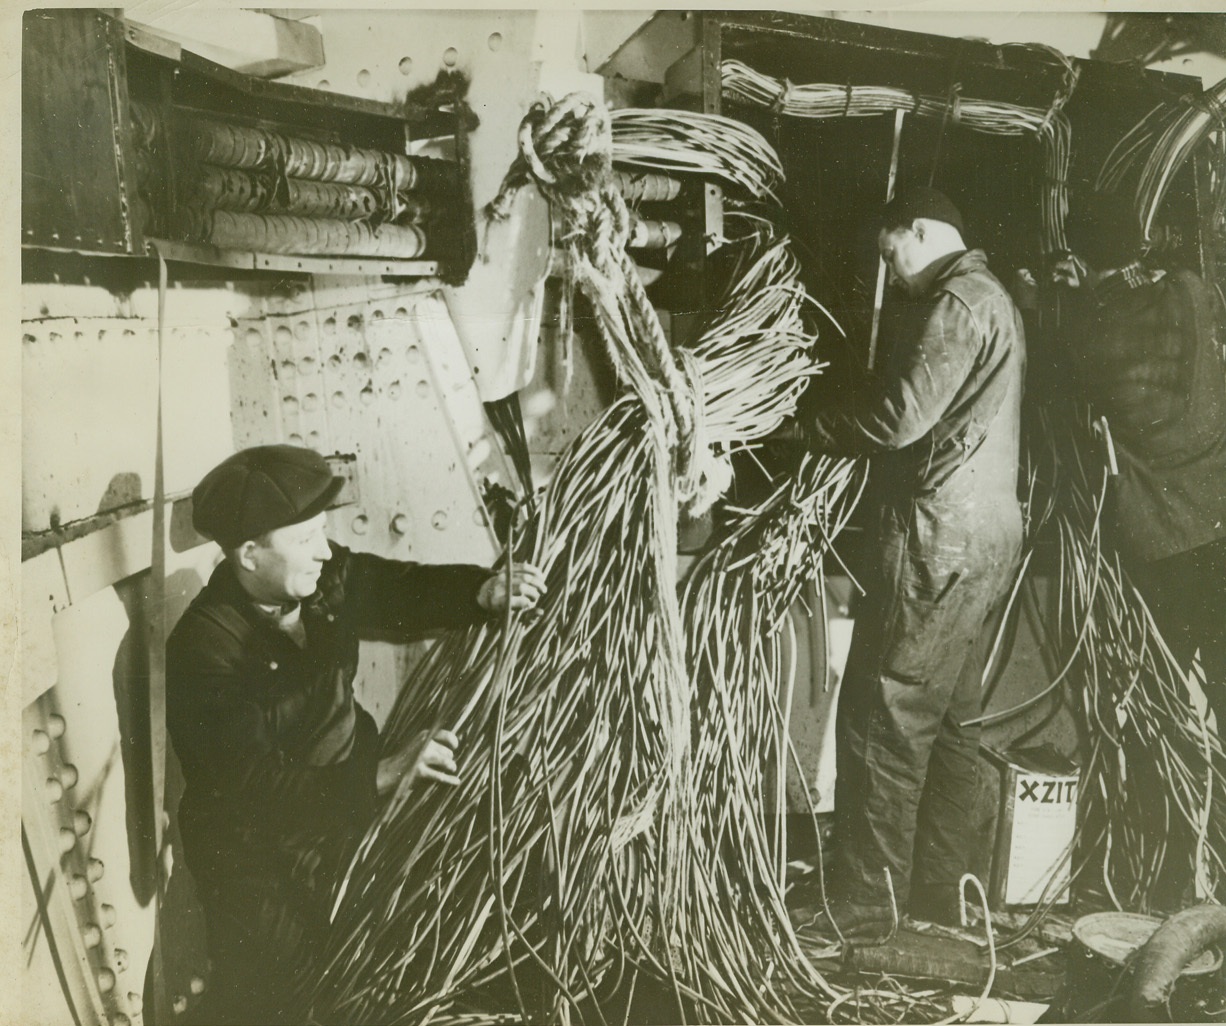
column 260, row 489
column 920, row 201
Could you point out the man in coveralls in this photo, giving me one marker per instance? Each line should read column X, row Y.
column 282, row 766
column 941, row 420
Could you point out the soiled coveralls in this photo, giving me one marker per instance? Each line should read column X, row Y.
column 941, row 422
column 280, row 761
column 1148, row 353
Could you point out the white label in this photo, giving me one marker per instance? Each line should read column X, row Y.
column 1044, row 821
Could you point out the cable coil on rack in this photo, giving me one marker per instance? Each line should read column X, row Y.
column 257, row 189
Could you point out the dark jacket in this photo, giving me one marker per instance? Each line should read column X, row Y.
column 1150, row 360
column 279, row 759
column 942, row 414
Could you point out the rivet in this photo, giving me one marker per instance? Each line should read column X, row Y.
column 450, row 56
column 406, row 65
column 68, row 775
column 68, row 840
column 295, row 439
column 120, row 1020
column 283, row 336
column 323, row 84
column 367, row 395
column 196, row 985
column 413, row 353
column 400, row 523
column 308, row 365
column 81, row 822
column 55, row 725
column 330, row 326
column 106, row 981
column 360, row 524
column 135, row 1002
column 91, row 935
column 439, row 520
column 361, row 359
column 331, row 617
column 302, row 329
column 288, row 368
column 423, row 388
column 272, row 665
column 354, row 323
column 108, row 915
column 479, row 517
column 121, row 960
column 94, row 869
column 77, row 887
column 55, row 790
column 495, row 41
column 394, row 390
column 338, row 400
column 310, row 401
column 364, row 78
column 180, row 1002
column 40, row 742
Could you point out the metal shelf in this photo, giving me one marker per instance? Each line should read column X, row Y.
column 202, row 253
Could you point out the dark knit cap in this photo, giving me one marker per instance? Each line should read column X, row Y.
column 260, row 489
column 919, row 201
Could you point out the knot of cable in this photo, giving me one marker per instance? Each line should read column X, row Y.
column 565, row 150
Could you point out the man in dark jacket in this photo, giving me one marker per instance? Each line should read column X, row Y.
column 941, row 421
column 1147, row 348
column 282, row 765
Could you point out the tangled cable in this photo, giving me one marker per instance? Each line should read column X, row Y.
column 565, row 149
column 1171, row 133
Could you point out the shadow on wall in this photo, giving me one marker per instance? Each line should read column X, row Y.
column 184, row 948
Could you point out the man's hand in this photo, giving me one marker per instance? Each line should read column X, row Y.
column 1025, row 290
column 527, row 587
column 426, row 757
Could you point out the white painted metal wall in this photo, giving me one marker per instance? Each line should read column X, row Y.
column 359, row 368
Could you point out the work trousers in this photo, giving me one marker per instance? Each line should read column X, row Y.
column 906, row 759
column 263, row 934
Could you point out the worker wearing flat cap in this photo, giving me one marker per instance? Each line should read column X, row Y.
column 283, row 767
column 940, row 418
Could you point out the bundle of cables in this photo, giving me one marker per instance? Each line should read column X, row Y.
column 1151, row 786
column 1165, row 139
column 707, row 144
column 743, row 84
column 605, row 835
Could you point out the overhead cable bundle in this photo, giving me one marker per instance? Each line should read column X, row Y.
column 1167, row 136
column 819, row 100
column 676, row 141
column 577, row 862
